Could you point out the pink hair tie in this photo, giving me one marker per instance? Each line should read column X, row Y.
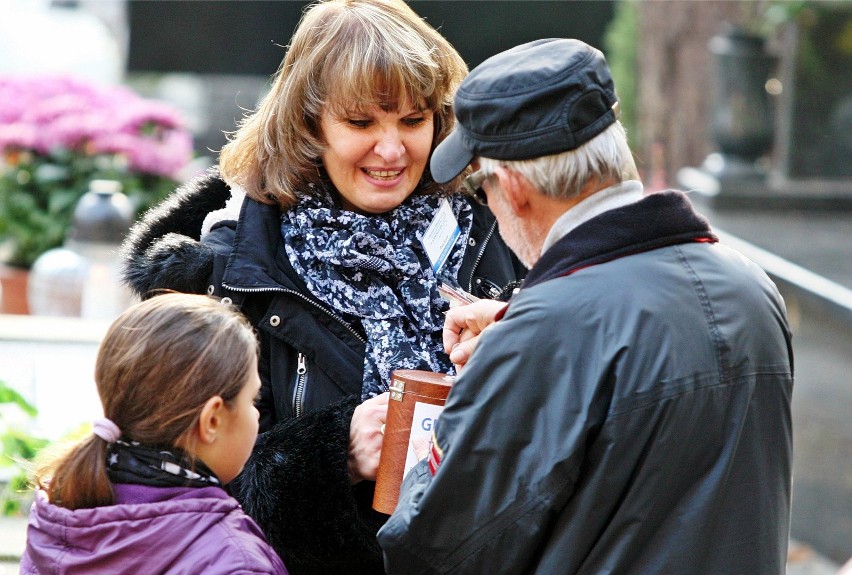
column 106, row 430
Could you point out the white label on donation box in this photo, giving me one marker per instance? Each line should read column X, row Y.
column 424, row 418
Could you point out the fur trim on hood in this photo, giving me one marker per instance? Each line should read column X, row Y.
column 163, row 249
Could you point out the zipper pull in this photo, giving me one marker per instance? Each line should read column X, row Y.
column 488, row 287
column 302, row 364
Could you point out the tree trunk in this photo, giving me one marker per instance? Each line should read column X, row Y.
column 675, row 78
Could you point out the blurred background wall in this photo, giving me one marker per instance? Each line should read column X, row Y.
column 233, row 47
column 658, row 49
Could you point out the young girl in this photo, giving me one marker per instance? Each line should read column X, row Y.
column 177, row 376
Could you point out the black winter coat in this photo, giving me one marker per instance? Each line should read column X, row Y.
column 295, row 485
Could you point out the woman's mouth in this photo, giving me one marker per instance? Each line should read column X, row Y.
column 382, row 174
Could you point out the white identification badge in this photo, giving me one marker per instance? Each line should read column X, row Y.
column 441, row 236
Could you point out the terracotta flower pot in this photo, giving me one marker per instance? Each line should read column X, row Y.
column 13, row 290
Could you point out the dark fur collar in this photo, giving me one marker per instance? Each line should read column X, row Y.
column 658, row 220
column 163, row 250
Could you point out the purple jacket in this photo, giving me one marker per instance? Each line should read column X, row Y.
column 150, row 530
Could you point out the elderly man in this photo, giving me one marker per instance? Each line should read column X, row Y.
column 629, row 411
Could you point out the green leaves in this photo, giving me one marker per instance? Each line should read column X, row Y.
column 9, row 395
column 19, row 450
column 38, row 194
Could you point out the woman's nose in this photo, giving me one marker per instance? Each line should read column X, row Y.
column 389, row 146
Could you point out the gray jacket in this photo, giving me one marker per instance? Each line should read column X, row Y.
column 630, row 413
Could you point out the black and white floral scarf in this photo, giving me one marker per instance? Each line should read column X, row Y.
column 373, row 269
column 140, row 464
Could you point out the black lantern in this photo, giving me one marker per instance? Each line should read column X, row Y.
column 742, row 123
column 742, row 119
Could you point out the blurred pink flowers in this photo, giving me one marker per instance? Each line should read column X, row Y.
column 57, row 134
column 46, row 114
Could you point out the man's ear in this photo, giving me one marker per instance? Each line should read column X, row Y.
column 210, row 421
column 515, row 188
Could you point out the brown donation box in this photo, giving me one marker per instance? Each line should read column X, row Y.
column 416, row 399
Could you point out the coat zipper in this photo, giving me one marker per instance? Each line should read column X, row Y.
column 479, row 255
column 301, row 380
column 301, row 361
column 305, row 299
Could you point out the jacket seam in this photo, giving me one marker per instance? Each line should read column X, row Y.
column 639, row 405
column 707, row 308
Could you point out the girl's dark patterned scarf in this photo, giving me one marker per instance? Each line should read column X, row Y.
column 373, row 269
column 133, row 462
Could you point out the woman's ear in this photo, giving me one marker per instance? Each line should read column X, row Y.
column 210, row 421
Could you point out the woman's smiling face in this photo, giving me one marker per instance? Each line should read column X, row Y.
column 375, row 158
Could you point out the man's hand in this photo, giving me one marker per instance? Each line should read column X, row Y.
column 464, row 325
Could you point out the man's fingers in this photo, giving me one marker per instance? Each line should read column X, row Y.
column 460, row 353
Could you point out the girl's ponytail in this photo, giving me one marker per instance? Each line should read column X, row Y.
column 78, row 479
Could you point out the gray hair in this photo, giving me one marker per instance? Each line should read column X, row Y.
column 604, row 157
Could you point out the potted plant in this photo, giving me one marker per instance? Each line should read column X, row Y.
column 57, row 134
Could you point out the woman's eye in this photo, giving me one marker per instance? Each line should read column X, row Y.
column 358, row 123
column 414, row 122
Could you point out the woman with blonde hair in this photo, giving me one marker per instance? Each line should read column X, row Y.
column 325, row 226
column 177, row 377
